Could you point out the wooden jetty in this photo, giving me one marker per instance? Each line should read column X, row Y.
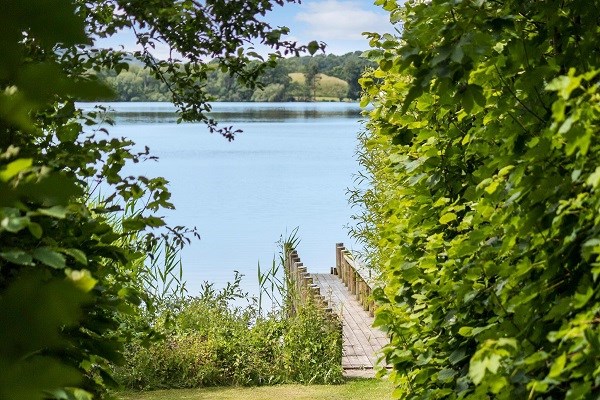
column 346, row 291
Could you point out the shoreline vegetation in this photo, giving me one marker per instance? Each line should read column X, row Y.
column 227, row 338
column 321, row 78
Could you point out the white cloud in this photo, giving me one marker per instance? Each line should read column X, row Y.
column 341, row 20
column 338, row 23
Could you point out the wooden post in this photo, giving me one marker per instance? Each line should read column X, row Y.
column 294, row 280
column 359, row 290
column 316, row 290
column 308, row 280
column 290, row 261
column 343, row 266
column 338, row 254
column 291, row 255
column 338, row 258
column 364, row 295
column 321, row 301
column 294, row 271
column 293, row 259
column 299, row 275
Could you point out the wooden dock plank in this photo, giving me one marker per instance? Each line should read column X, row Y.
column 361, row 342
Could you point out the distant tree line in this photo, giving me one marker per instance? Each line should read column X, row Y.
column 321, row 77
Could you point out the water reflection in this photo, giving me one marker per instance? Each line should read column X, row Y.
column 164, row 113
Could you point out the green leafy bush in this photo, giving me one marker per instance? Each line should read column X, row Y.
column 68, row 279
column 211, row 342
column 483, row 154
column 312, row 347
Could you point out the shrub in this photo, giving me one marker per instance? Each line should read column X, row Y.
column 179, row 361
column 62, row 270
column 210, row 342
column 312, row 349
column 483, row 211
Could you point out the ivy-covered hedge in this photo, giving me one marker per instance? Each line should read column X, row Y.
column 483, row 212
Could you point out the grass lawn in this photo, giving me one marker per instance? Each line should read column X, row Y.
column 353, row 389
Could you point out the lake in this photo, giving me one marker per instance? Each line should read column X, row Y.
column 289, row 168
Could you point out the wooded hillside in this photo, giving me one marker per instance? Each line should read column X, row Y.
column 310, row 78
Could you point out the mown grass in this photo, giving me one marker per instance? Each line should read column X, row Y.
column 353, row 389
column 297, row 77
column 329, row 88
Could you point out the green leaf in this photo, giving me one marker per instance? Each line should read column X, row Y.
column 52, row 190
column 414, row 92
column 581, row 298
column 17, row 257
column 478, row 96
column 59, row 212
column 498, row 384
column 14, row 168
column 492, row 187
column 14, row 224
column 492, row 363
column 558, row 366
column 386, row 65
column 447, row 218
column 313, row 47
column 488, row 357
column 593, row 339
column 82, row 279
column 465, row 331
column 457, row 355
column 477, row 371
column 403, row 137
column 381, row 319
column 505, row 170
column 35, row 229
column 68, row 133
column 77, row 254
column 594, row 179
column 578, row 138
column 536, row 358
column 446, row 374
column 579, row 391
column 467, row 101
column 565, row 84
column 49, row 257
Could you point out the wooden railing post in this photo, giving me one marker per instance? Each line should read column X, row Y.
column 304, row 284
column 290, row 259
column 338, row 258
column 294, row 272
column 300, row 278
column 355, row 277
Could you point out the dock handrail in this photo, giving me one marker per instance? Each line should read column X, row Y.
column 302, row 286
column 356, row 276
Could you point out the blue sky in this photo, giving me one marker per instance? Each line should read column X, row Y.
column 339, row 23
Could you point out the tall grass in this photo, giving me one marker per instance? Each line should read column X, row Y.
column 212, row 340
column 274, row 283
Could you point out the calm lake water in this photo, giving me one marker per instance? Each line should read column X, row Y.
column 289, row 168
